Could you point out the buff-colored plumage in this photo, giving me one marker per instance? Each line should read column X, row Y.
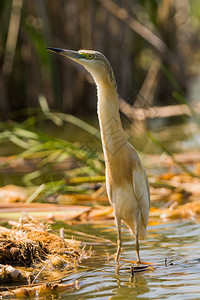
column 126, row 180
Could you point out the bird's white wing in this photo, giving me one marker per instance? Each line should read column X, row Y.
column 141, row 191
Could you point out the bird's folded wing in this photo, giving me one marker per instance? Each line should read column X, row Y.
column 141, row 190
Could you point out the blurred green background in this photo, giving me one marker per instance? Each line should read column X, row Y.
column 152, row 45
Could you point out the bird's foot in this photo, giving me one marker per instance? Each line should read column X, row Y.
column 145, row 263
column 139, row 269
column 138, row 262
column 134, row 269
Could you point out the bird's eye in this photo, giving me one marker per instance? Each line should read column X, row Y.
column 90, row 56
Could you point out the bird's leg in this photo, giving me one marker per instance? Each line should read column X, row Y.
column 137, row 249
column 119, row 245
column 119, row 241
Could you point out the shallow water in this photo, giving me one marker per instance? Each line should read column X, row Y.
column 179, row 242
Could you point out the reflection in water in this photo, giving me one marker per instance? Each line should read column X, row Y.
column 128, row 285
column 100, row 278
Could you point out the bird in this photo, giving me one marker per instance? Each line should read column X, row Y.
column 126, row 180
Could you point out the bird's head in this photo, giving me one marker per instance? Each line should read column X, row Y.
column 93, row 61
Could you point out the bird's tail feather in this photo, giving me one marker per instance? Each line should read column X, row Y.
column 141, row 231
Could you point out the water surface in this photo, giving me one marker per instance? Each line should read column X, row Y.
column 179, row 242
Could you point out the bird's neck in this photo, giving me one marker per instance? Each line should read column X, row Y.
column 112, row 134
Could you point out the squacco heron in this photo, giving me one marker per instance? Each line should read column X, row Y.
column 126, row 180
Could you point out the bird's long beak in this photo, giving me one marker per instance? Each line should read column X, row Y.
column 74, row 55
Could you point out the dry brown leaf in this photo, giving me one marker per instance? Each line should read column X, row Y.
column 101, row 212
column 13, row 193
column 188, row 210
column 167, row 176
column 70, row 199
column 39, row 290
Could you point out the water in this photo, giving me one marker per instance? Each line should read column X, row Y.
column 179, row 242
